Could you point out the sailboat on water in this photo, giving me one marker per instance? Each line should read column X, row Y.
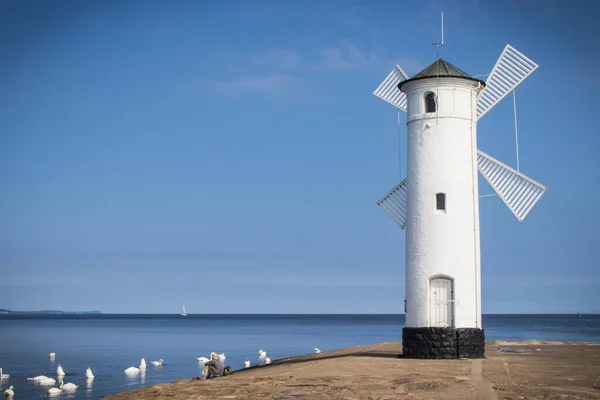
column 183, row 313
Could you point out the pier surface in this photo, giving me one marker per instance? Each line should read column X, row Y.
column 511, row 370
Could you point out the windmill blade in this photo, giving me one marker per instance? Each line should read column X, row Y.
column 519, row 192
column 388, row 89
column 394, row 204
column 510, row 70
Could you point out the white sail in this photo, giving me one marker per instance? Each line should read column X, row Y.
column 183, row 312
column 394, row 203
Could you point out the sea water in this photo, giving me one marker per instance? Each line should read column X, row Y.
column 108, row 344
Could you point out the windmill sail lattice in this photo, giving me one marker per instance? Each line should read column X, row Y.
column 519, row 192
column 388, row 89
column 510, row 70
column 394, row 204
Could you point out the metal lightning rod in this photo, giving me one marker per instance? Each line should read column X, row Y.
column 439, row 44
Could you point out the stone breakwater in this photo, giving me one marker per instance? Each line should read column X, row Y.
column 511, row 370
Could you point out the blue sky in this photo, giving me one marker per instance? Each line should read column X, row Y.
column 228, row 155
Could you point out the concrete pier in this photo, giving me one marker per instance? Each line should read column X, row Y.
column 511, row 370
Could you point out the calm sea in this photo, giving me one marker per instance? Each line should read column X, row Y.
column 110, row 343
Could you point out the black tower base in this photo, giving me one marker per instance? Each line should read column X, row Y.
column 443, row 343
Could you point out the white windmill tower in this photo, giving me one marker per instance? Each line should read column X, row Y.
column 438, row 202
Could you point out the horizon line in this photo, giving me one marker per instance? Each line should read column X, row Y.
column 88, row 313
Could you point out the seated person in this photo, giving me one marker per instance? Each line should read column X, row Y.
column 212, row 368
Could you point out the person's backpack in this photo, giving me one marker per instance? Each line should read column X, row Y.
column 227, row 371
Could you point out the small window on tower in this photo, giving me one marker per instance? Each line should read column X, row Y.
column 430, row 102
column 440, row 201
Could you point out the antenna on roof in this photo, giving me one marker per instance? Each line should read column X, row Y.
column 439, row 44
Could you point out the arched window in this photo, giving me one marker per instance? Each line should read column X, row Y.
column 430, row 102
column 440, row 201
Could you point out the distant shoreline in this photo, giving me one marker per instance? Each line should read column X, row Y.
column 4, row 311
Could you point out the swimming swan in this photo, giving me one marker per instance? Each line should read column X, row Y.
column 52, row 356
column 222, row 358
column 246, row 364
column 88, row 373
column 143, row 364
column 67, row 386
column 132, row 371
column 317, row 350
column 202, row 360
column 3, row 376
column 10, row 392
column 267, row 360
column 157, row 363
column 38, row 378
column 47, row 382
column 54, row 391
column 59, row 371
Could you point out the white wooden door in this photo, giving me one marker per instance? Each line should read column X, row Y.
column 441, row 306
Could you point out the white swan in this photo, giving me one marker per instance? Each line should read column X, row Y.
column 38, row 378
column 67, row 386
column 157, row 363
column 262, row 354
column 59, row 371
column 10, row 392
column 3, row 376
column 142, row 364
column 317, row 350
column 52, row 356
column 47, row 382
column 202, row 360
column 88, row 373
column 267, row 360
column 222, row 358
column 246, row 364
column 132, row 371
column 55, row 391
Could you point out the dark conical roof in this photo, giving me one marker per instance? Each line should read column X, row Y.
column 440, row 68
